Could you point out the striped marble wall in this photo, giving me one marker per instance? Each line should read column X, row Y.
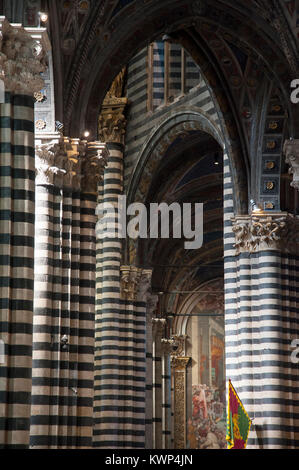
column 141, row 121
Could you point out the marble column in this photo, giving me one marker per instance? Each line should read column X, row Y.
column 261, row 322
column 115, row 421
column 159, row 325
column 64, row 293
column 22, row 61
column 151, row 305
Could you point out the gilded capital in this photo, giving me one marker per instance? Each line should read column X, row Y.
column 22, row 59
column 112, row 122
column 291, row 151
column 277, row 231
column 167, row 345
column 93, row 165
column 180, row 363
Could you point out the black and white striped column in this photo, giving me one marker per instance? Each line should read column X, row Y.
column 64, row 302
column 17, row 173
column 261, row 322
column 108, row 379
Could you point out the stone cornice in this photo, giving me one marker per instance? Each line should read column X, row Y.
column 264, row 231
column 22, row 58
column 291, row 151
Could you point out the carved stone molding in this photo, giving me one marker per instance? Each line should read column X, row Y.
column 291, row 151
column 93, row 166
column 277, row 231
column 22, row 59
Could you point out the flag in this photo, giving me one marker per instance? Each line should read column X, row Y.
column 238, row 421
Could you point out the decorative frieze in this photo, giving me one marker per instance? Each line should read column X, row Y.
column 22, row 59
column 277, row 231
column 291, row 151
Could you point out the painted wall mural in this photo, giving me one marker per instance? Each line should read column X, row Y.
column 207, row 426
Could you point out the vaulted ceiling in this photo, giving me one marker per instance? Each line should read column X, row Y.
column 93, row 39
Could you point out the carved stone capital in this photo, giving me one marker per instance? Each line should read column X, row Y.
column 136, row 284
column 144, row 284
column 59, row 163
column 151, row 304
column 93, row 166
column 112, row 121
column 129, row 282
column 291, row 151
column 22, row 59
column 277, row 231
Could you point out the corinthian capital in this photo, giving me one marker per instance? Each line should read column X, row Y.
column 277, row 231
column 58, row 163
column 291, row 151
column 144, row 284
column 93, row 166
column 22, row 59
column 112, row 122
column 128, row 282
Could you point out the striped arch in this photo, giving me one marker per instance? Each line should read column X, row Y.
column 179, row 122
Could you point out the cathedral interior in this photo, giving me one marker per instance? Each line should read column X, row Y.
column 113, row 342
